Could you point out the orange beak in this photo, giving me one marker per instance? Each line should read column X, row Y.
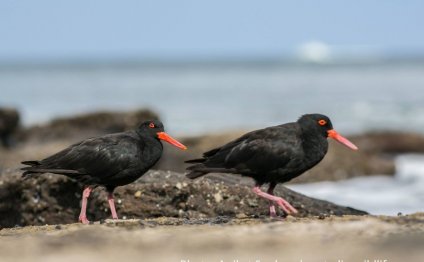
column 339, row 138
column 165, row 137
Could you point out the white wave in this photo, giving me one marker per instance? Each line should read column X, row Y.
column 314, row 51
column 380, row 195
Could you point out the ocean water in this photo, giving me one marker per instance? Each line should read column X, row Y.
column 194, row 99
column 380, row 195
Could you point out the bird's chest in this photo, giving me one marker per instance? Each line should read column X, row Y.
column 302, row 162
column 143, row 161
column 315, row 153
column 150, row 155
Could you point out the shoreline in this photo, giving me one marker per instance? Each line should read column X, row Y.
column 350, row 238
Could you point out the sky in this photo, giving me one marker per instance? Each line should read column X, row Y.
column 51, row 29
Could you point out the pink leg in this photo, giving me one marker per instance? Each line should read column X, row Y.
column 83, row 215
column 283, row 204
column 112, row 205
column 272, row 211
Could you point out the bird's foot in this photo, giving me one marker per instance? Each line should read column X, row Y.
column 285, row 206
column 273, row 214
column 84, row 220
column 272, row 211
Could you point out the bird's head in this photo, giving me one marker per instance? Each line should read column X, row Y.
column 322, row 124
column 154, row 128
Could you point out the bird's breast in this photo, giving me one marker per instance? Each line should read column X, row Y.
column 151, row 154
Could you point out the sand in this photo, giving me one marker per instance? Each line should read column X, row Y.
column 348, row 238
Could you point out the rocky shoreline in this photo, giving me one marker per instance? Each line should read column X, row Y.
column 52, row 199
column 347, row 238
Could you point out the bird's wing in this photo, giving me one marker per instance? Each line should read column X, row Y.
column 261, row 150
column 221, row 150
column 232, row 144
column 105, row 155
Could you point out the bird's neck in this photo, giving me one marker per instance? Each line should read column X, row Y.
column 148, row 137
column 150, row 145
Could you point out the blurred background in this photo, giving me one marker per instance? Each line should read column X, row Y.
column 207, row 67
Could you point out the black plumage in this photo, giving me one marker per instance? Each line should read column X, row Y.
column 109, row 161
column 272, row 155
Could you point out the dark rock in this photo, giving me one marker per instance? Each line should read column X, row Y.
column 390, row 142
column 9, row 124
column 59, row 199
column 87, row 125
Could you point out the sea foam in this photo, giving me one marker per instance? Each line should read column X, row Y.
column 380, row 195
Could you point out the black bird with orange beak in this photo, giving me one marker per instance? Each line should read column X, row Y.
column 109, row 161
column 272, row 155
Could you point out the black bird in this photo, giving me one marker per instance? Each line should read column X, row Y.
column 272, row 155
column 109, row 161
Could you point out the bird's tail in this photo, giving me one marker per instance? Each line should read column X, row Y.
column 35, row 167
column 193, row 161
column 203, row 166
column 31, row 163
column 31, row 168
column 196, row 170
column 202, row 169
column 195, row 174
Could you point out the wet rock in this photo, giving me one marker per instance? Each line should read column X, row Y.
column 137, row 194
column 87, row 125
column 9, row 124
column 58, row 203
column 390, row 142
column 218, row 197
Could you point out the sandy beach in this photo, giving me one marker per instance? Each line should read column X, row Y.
column 348, row 238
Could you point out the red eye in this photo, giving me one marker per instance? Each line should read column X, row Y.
column 322, row 122
column 151, row 125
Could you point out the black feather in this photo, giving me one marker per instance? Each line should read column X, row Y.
column 198, row 160
column 31, row 163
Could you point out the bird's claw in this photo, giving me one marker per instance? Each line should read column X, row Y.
column 273, row 214
column 84, row 220
column 286, row 207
